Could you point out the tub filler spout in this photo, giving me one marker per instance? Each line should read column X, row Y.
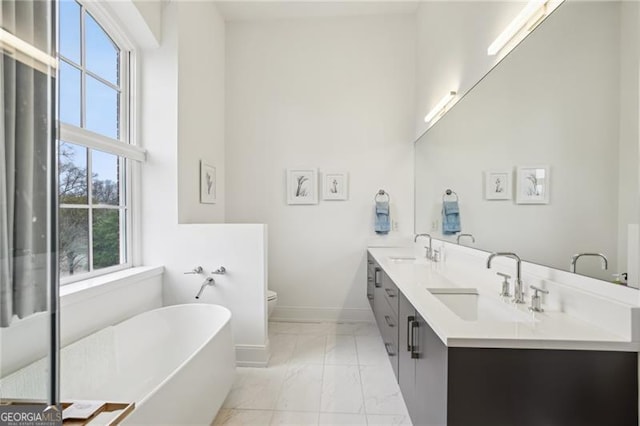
column 207, row 282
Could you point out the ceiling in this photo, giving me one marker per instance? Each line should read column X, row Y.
column 240, row 10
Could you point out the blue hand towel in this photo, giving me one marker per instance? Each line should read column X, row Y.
column 450, row 217
column 383, row 225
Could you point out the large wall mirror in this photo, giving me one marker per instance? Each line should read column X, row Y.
column 543, row 152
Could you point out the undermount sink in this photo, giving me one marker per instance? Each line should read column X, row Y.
column 471, row 306
column 402, row 259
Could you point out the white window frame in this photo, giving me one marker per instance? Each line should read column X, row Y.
column 125, row 148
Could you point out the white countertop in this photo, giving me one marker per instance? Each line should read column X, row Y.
column 547, row 330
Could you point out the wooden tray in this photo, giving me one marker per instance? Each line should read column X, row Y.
column 107, row 407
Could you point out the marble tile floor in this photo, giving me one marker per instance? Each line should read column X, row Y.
column 318, row 374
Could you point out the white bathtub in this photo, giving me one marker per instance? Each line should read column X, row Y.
column 176, row 363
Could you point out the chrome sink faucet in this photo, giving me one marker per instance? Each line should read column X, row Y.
column 575, row 257
column 429, row 254
column 518, row 292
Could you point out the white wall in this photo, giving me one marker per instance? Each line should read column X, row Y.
column 151, row 11
column 201, row 67
column 180, row 248
column 331, row 93
column 241, row 249
column 452, row 42
column 628, row 204
column 554, row 101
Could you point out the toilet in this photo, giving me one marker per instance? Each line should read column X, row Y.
column 272, row 300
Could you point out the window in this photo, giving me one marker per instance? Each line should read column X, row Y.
column 94, row 147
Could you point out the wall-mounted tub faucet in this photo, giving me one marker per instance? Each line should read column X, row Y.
column 518, row 296
column 473, row 240
column 196, row 270
column 208, row 281
column 575, row 257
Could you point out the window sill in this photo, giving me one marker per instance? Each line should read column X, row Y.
column 93, row 287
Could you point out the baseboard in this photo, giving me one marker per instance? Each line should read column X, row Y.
column 252, row 355
column 295, row 313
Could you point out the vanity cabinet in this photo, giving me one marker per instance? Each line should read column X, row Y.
column 371, row 276
column 385, row 309
column 462, row 386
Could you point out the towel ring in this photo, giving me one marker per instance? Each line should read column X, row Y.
column 449, row 192
column 382, row 193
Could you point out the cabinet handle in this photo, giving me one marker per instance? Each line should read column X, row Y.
column 370, row 279
column 389, row 349
column 387, row 319
column 389, row 292
column 410, row 320
column 377, row 281
column 370, row 296
column 414, row 354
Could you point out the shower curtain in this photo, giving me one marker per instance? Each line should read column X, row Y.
column 24, row 165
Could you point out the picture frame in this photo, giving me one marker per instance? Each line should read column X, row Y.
column 497, row 185
column 533, row 184
column 207, row 183
column 335, row 186
column 302, row 186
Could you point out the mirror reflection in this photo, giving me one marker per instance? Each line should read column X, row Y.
column 542, row 154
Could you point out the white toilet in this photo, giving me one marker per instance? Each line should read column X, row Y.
column 272, row 301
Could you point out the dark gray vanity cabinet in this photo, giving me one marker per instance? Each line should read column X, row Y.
column 385, row 311
column 371, row 276
column 463, row 386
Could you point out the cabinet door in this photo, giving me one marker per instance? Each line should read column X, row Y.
column 431, row 377
column 406, row 363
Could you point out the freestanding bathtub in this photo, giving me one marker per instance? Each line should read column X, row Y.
column 176, row 363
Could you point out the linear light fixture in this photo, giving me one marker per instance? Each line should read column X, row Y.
column 530, row 10
column 440, row 107
column 8, row 39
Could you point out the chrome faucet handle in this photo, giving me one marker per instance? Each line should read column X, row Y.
column 435, row 256
column 220, row 271
column 505, row 284
column 195, row 271
column 536, row 300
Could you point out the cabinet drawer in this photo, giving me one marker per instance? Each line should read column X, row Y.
column 388, row 324
column 391, row 292
column 371, row 276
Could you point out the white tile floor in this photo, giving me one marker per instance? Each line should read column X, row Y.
column 319, row 374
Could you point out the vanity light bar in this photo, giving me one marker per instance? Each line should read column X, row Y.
column 9, row 40
column 440, row 106
column 533, row 7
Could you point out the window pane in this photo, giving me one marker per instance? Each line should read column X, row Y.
column 74, row 241
column 70, row 30
column 105, row 177
column 72, row 182
column 102, row 108
column 69, row 94
column 106, row 238
column 100, row 52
